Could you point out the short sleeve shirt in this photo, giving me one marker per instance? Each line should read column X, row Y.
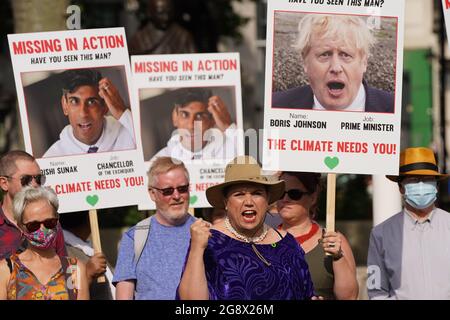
column 158, row 271
column 10, row 237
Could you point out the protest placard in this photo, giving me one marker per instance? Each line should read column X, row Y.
column 78, row 118
column 190, row 110
column 333, row 86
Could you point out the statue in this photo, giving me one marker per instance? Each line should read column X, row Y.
column 161, row 34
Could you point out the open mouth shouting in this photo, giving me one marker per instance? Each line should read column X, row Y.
column 249, row 216
column 335, row 88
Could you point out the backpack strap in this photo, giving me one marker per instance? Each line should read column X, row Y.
column 141, row 232
column 9, row 263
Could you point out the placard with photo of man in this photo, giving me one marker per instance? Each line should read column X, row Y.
column 191, row 111
column 78, row 111
column 334, row 52
column 333, row 86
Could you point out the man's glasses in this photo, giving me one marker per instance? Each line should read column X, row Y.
column 295, row 194
column 26, row 179
column 35, row 225
column 169, row 191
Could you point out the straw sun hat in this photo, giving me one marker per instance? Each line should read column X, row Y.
column 417, row 161
column 243, row 169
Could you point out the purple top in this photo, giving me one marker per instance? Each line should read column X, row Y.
column 234, row 271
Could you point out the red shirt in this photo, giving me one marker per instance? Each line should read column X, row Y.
column 11, row 238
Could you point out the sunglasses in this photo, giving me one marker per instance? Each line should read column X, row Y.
column 295, row 194
column 169, row 191
column 26, row 179
column 35, row 225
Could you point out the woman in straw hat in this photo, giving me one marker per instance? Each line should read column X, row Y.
column 328, row 254
column 409, row 256
column 241, row 257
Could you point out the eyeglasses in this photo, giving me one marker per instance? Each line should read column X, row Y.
column 26, row 179
column 295, row 194
column 35, row 225
column 169, row 191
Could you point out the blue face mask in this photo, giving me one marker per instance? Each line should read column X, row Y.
column 421, row 195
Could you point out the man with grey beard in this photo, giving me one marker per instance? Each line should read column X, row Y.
column 152, row 271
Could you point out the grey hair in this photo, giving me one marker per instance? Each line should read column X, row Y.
column 163, row 165
column 336, row 27
column 30, row 194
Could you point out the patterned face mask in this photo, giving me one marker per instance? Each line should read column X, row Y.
column 420, row 195
column 42, row 238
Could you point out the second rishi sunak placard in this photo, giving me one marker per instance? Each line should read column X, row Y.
column 191, row 111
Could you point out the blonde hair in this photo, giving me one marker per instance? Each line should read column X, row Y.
column 339, row 27
column 163, row 165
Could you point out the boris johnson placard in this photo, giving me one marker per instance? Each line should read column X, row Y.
column 333, row 86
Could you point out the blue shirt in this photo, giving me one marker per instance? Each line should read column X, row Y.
column 158, row 271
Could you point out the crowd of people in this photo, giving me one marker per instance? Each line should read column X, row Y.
column 237, row 254
column 262, row 240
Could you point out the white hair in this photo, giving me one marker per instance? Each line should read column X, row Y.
column 162, row 165
column 31, row 194
column 341, row 27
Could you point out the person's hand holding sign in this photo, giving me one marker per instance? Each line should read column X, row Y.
column 96, row 266
column 331, row 243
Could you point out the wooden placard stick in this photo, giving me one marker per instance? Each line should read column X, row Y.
column 191, row 211
column 95, row 236
column 331, row 201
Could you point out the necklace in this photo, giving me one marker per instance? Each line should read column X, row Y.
column 304, row 237
column 244, row 238
column 250, row 240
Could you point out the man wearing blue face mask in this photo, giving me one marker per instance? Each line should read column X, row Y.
column 409, row 253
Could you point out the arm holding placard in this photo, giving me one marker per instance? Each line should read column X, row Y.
column 344, row 268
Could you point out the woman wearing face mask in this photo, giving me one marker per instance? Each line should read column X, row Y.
column 333, row 275
column 38, row 273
